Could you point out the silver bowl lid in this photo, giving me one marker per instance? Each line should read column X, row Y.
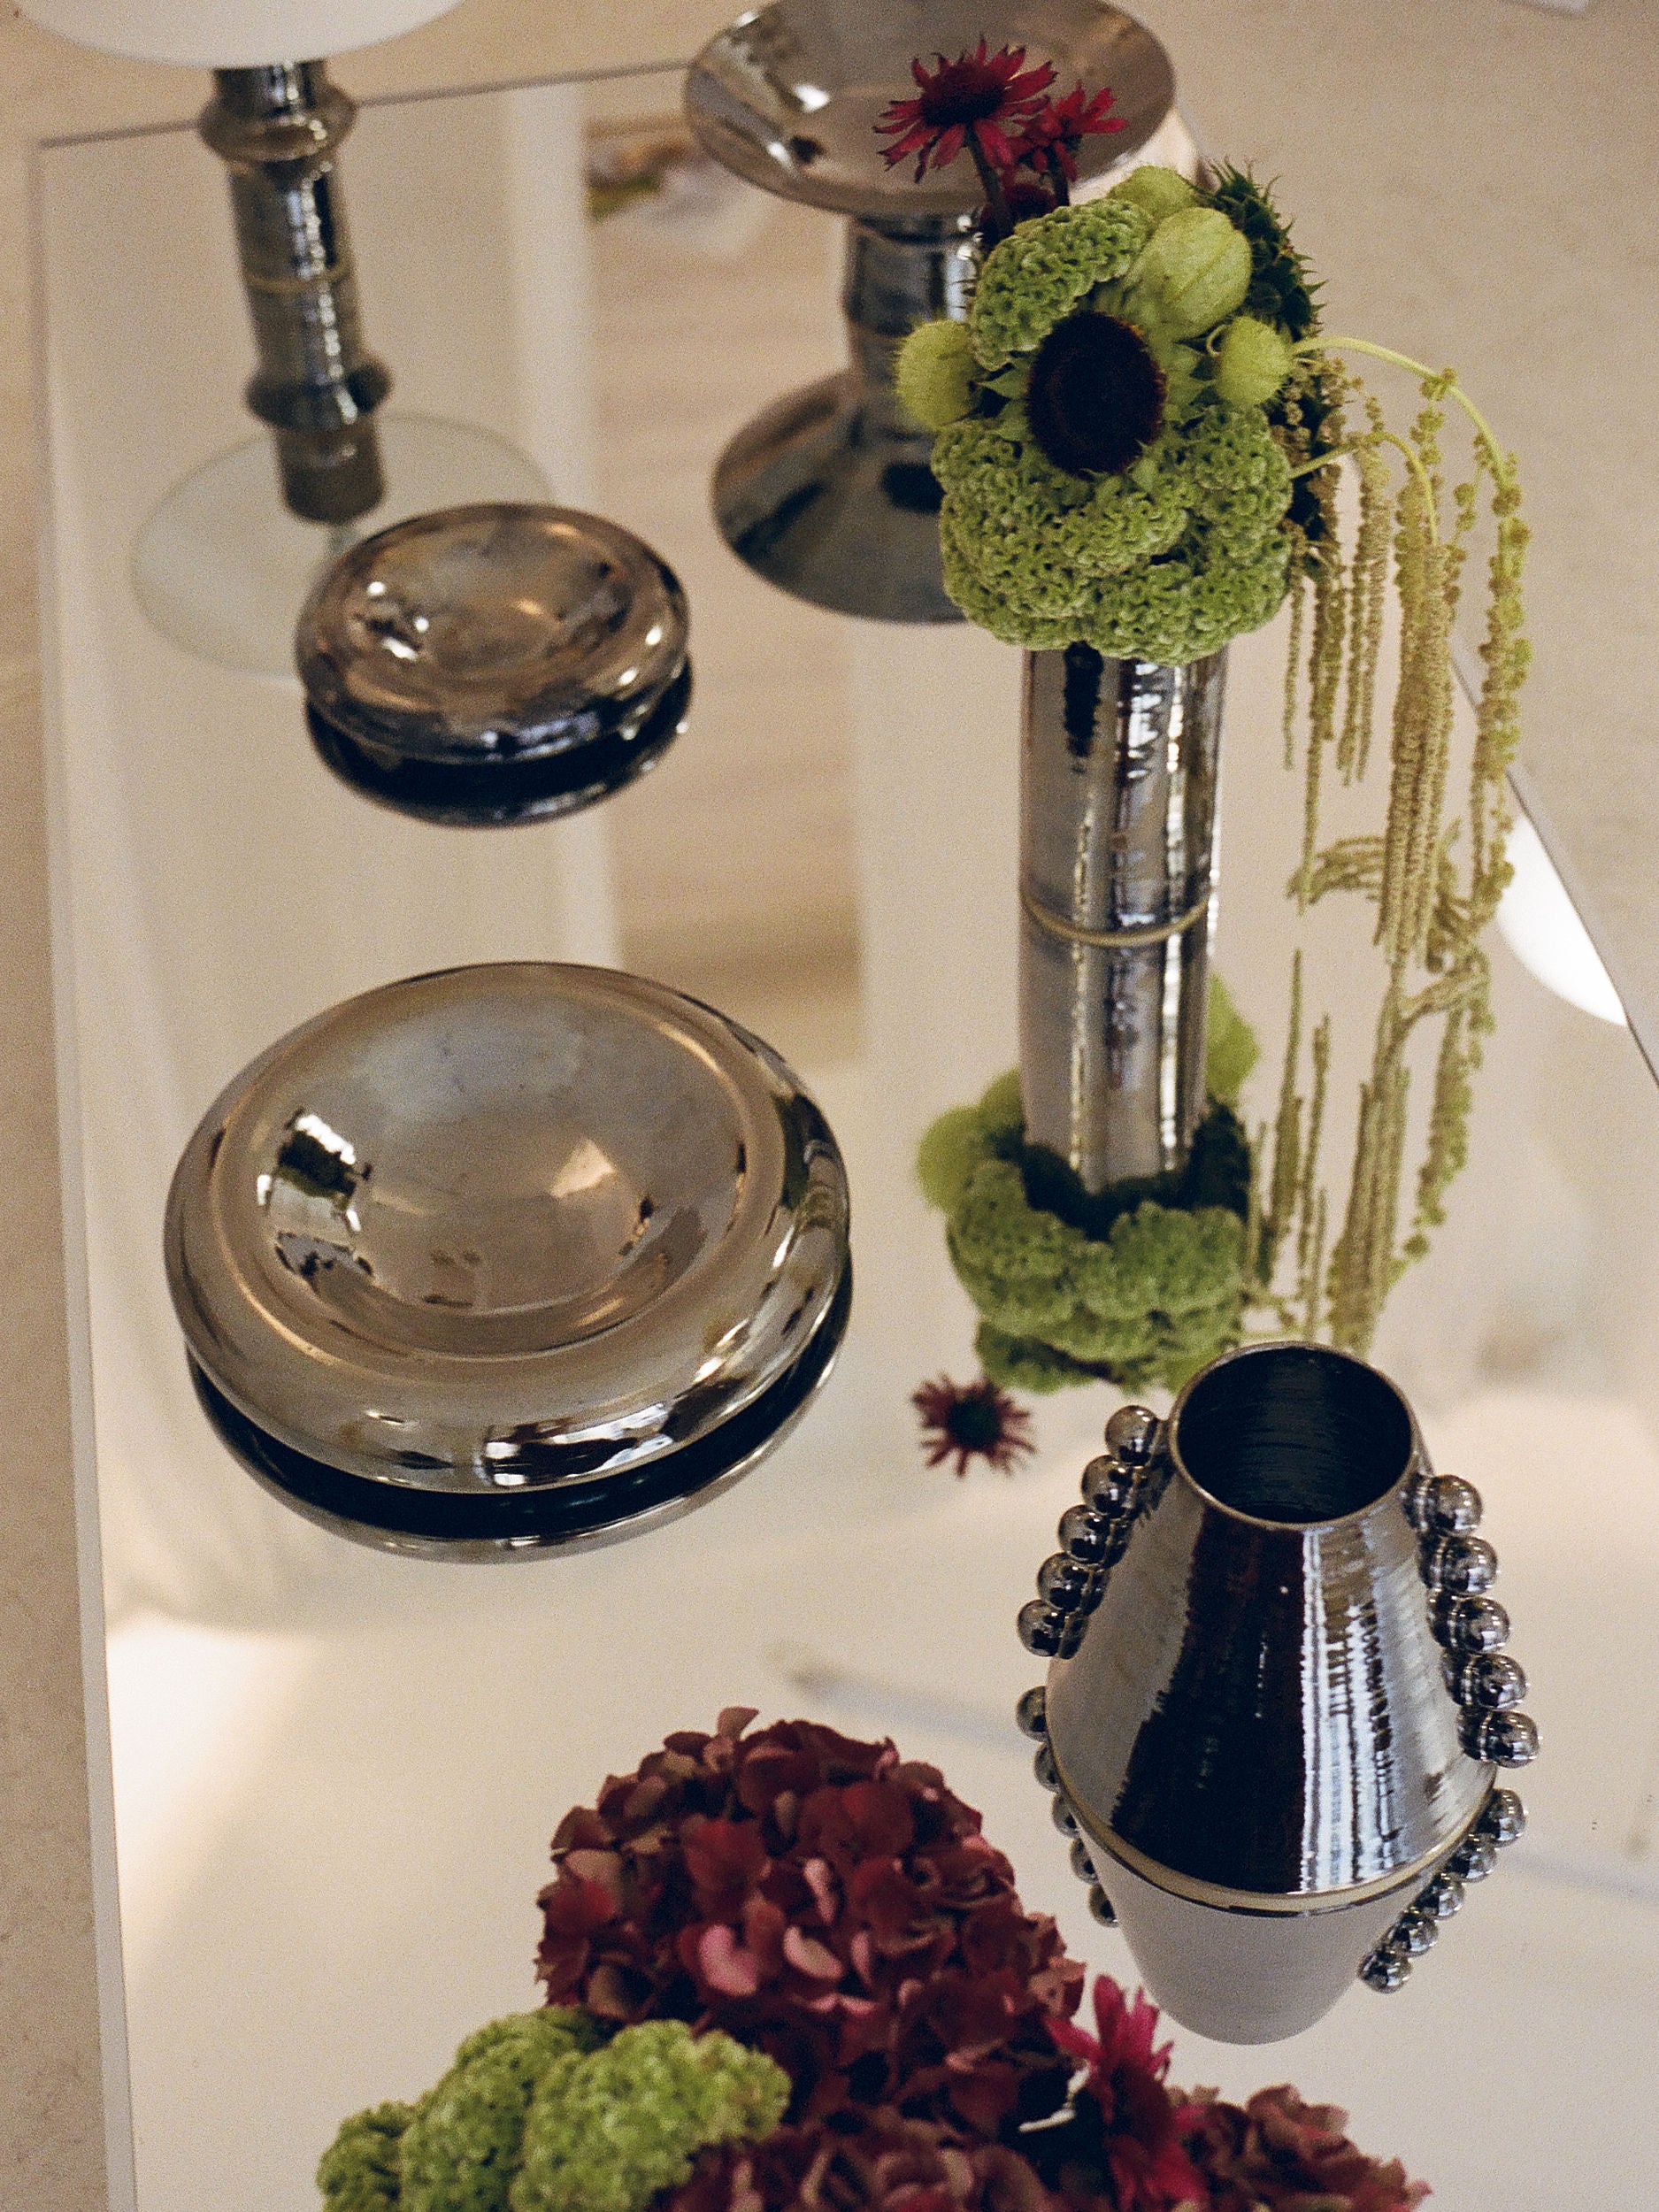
column 488, row 656
column 508, row 1257
column 788, row 97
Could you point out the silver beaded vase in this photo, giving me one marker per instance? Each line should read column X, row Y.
column 1117, row 828
column 1276, row 1706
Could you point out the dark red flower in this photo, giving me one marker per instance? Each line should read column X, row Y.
column 872, row 2161
column 972, row 1420
column 1096, row 397
column 1278, row 2154
column 971, row 102
column 827, row 1902
column 1123, row 2139
column 1054, row 131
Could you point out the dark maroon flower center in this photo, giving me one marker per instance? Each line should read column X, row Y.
column 1096, row 399
column 961, row 92
column 975, row 1423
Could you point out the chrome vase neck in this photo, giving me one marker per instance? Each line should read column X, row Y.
column 1119, row 763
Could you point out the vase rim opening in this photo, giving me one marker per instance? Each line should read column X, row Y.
column 1293, row 1435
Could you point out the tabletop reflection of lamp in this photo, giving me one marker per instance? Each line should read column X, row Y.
column 278, row 125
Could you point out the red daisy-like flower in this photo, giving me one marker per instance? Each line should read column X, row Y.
column 1051, row 135
column 1127, row 2123
column 972, row 1420
column 970, row 102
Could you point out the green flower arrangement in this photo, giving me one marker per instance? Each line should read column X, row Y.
column 550, row 2112
column 1136, row 431
column 1111, row 469
column 1142, row 1284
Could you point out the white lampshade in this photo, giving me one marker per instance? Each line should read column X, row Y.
column 231, row 34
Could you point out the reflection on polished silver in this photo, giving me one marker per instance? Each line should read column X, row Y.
column 508, row 1259
column 1246, row 1715
column 1117, row 826
column 829, row 493
column 494, row 663
column 277, row 130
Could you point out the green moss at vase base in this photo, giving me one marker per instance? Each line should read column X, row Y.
column 1141, row 1284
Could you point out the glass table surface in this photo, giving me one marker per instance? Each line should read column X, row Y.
column 336, row 1772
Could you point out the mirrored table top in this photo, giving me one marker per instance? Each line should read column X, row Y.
column 347, row 1767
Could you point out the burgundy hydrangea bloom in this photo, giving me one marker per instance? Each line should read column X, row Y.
column 1055, row 130
column 873, row 2160
column 971, row 1420
column 1122, row 2145
column 1278, row 2154
column 973, row 102
column 822, row 1900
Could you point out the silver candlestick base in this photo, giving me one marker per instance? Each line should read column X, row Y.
column 829, row 494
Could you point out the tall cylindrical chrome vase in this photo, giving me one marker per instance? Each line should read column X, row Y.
column 1118, row 832
column 1276, row 1702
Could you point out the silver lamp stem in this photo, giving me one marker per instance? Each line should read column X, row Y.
column 278, row 128
column 1117, row 824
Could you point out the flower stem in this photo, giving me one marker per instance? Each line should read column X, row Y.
column 991, row 184
column 1495, row 455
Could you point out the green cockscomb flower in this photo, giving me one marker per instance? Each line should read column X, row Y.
column 1166, row 563
column 1034, row 278
column 462, row 2150
column 540, row 2113
column 934, row 374
column 610, row 2131
column 1143, row 1283
column 361, row 2170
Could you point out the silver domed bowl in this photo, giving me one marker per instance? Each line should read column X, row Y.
column 494, row 663
column 828, row 493
column 508, row 1259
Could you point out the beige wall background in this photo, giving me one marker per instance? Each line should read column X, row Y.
column 1480, row 179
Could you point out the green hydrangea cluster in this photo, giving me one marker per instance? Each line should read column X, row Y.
column 1184, row 548
column 540, row 2113
column 1149, row 1299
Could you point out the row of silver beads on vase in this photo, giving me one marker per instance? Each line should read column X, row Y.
column 1460, row 1568
column 1093, row 1536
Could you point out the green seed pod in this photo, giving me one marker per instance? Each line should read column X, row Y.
column 1252, row 362
column 934, row 374
column 1155, row 191
column 1195, row 270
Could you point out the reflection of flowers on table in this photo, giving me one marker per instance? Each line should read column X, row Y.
column 787, row 1973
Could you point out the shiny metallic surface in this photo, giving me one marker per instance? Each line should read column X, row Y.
column 829, row 494
column 1507, row 1739
column 495, row 663
column 1451, row 1506
column 1029, row 1713
column 1065, row 1582
column 1254, row 1731
column 1041, row 1628
column 1100, row 1907
column 277, row 129
column 1117, row 830
column 1504, row 1819
column 1469, row 1623
column 788, row 97
column 508, row 1258
column 1132, row 1434
column 1463, row 1565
